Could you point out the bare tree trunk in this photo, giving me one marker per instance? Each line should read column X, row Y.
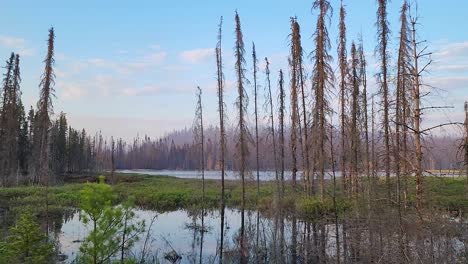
column 342, row 57
column 222, row 137
column 281, row 133
column 200, row 140
column 417, row 119
column 269, row 104
column 383, row 33
column 243, row 133
column 335, row 207
column 304, row 138
column 354, row 122
column 255, row 68
column 321, row 81
column 466, row 140
column 113, row 179
column 295, row 122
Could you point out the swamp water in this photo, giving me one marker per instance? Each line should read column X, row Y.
column 271, row 239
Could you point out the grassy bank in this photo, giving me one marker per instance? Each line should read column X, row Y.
column 164, row 193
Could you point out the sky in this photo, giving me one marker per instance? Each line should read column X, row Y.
column 132, row 67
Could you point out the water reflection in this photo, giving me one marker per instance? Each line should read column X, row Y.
column 277, row 238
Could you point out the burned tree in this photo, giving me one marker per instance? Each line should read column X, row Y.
column 295, row 120
column 342, row 59
column 355, row 138
column 403, row 85
column 242, row 148
column 222, row 133
column 297, row 64
column 383, row 33
column 322, row 81
column 42, row 120
column 281, row 141
column 257, row 160
column 269, row 108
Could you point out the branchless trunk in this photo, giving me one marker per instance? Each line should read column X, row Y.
column 335, row 207
column 281, row 114
column 354, row 121
column 466, row 140
column 417, row 118
column 255, row 68
column 269, row 107
column 466, row 149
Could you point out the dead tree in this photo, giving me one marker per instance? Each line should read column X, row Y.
column 269, row 108
column 295, row 120
column 257, row 159
column 199, row 137
column 342, row 59
column 355, row 138
column 200, row 142
column 466, row 141
column 304, row 138
column 363, row 81
column 401, row 108
column 222, row 133
column 383, row 33
column 242, row 147
column 281, row 141
column 322, row 81
column 113, row 161
column 417, row 55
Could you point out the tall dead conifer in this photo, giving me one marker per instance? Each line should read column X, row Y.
column 242, row 148
column 383, row 33
column 222, row 133
column 322, row 81
column 342, row 60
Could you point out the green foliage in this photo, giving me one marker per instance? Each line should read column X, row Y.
column 26, row 243
column 313, row 207
column 114, row 228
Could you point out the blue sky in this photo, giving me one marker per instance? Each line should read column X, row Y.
column 128, row 67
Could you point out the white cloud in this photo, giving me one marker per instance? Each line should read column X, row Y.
column 453, row 50
column 156, row 57
column 73, row 92
column 197, row 55
column 11, row 42
column 146, row 90
column 17, row 44
column 448, row 82
column 143, row 63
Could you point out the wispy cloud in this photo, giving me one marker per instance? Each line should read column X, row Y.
column 453, row 49
column 18, row 45
column 142, row 63
column 197, row 55
column 145, row 90
column 72, row 91
column 11, row 42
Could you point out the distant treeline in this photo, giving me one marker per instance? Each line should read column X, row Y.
column 176, row 150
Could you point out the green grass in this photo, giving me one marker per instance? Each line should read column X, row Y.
column 164, row 193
